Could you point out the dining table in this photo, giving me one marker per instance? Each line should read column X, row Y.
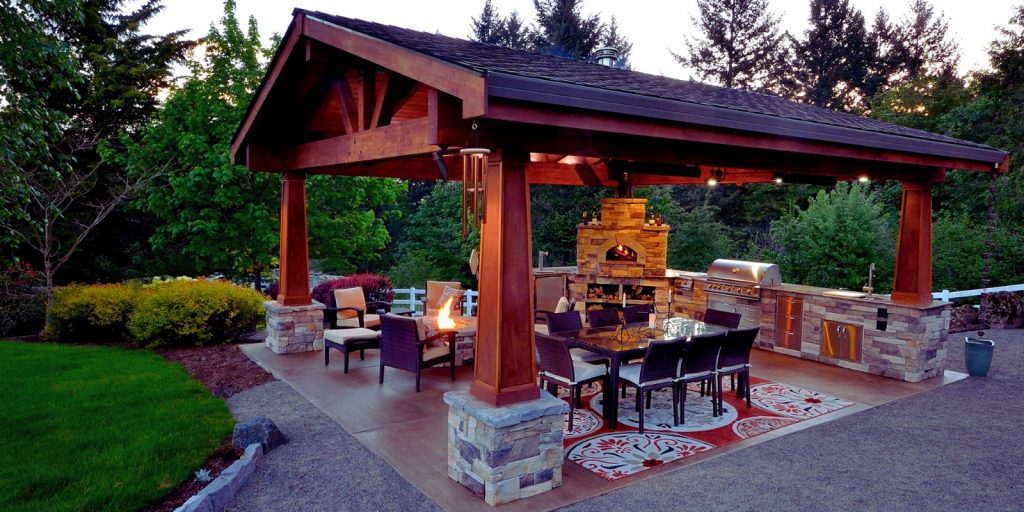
column 625, row 342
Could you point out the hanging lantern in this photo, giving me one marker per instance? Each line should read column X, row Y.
column 474, row 161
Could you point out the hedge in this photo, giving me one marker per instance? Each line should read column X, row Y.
column 376, row 288
column 97, row 312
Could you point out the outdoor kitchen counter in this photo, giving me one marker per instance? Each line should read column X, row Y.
column 873, row 335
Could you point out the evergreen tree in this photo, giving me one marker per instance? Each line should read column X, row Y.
column 563, row 30
column 831, row 60
column 739, row 45
column 928, row 49
column 613, row 39
column 491, row 28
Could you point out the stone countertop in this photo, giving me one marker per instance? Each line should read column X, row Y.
column 873, row 300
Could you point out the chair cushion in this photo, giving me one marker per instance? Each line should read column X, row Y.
column 698, row 375
column 562, row 306
column 586, row 371
column 349, row 298
column 435, row 352
column 631, row 374
column 370, row 320
column 342, row 336
column 584, row 355
column 450, row 293
column 733, row 367
column 541, row 328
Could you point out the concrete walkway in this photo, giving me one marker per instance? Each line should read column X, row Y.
column 953, row 447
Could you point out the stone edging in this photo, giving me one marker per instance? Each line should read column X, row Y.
column 219, row 493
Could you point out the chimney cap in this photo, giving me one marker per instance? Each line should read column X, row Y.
column 607, row 56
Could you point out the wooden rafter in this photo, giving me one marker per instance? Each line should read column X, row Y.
column 349, row 114
column 367, row 78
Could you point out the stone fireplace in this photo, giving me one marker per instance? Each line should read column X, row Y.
column 622, row 258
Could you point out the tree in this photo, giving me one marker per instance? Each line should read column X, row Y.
column 491, row 28
column 612, row 38
column 563, row 30
column 929, row 52
column 739, row 44
column 62, row 187
column 432, row 247
column 219, row 217
column 831, row 61
column 832, row 241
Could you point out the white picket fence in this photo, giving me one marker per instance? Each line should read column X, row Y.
column 412, row 298
column 946, row 295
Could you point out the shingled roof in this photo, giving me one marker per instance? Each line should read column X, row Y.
column 532, row 76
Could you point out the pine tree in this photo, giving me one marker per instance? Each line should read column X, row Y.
column 831, row 61
column 563, row 30
column 491, row 28
column 613, row 39
column 928, row 50
column 740, row 42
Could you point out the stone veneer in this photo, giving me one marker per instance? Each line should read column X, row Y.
column 622, row 218
column 294, row 328
column 505, row 453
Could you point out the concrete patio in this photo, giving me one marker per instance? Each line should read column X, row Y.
column 408, row 431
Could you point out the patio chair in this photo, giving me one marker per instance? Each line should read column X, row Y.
column 349, row 340
column 723, row 318
column 603, row 317
column 405, row 346
column 569, row 321
column 733, row 360
column 656, row 371
column 557, row 368
column 699, row 364
column 636, row 313
column 433, row 296
column 352, row 311
column 548, row 293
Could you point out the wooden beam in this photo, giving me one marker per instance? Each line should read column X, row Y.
column 405, row 139
column 912, row 282
column 624, row 125
column 398, row 91
column 504, row 368
column 420, row 168
column 381, row 93
column 465, row 84
column 349, row 114
column 367, row 96
column 294, row 240
column 277, row 64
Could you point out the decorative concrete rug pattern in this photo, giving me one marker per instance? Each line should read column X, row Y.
column 614, row 454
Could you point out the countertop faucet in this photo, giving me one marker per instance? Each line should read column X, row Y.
column 869, row 289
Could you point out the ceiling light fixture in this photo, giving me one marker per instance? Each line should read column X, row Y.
column 715, row 176
column 863, row 179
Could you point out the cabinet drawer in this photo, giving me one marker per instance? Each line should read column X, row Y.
column 789, row 322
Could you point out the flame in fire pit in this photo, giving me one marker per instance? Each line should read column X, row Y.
column 444, row 315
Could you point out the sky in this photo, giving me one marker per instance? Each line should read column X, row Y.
column 654, row 27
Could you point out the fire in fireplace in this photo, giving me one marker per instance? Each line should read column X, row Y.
column 621, row 253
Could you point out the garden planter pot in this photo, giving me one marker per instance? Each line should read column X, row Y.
column 979, row 356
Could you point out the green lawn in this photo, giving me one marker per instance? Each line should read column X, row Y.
column 95, row 428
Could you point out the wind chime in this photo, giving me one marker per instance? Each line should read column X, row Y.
column 474, row 162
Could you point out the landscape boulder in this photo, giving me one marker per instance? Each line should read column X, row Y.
column 258, row 430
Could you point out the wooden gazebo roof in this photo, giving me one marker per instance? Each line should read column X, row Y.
column 335, row 77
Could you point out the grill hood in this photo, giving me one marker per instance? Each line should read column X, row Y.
column 750, row 273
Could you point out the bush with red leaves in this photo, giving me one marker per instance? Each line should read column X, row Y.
column 376, row 288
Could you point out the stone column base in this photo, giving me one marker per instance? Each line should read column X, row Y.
column 505, row 453
column 294, row 328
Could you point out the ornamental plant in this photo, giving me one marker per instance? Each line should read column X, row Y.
column 376, row 288
column 97, row 312
column 195, row 313
column 22, row 301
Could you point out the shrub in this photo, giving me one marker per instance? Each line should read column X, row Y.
column 964, row 318
column 22, row 304
column 1002, row 309
column 186, row 313
column 97, row 312
column 376, row 288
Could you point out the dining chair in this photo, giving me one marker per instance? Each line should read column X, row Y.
column 637, row 313
column 656, row 371
column 405, row 346
column 603, row 317
column 733, row 360
column 569, row 321
column 699, row 364
column 557, row 368
column 725, row 319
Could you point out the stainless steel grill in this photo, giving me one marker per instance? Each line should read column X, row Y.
column 741, row 278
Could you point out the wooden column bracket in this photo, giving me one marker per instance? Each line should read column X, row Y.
column 913, row 280
column 294, row 284
column 504, row 369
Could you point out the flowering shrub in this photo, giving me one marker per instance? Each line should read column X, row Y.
column 195, row 312
column 22, row 303
column 97, row 312
column 376, row 288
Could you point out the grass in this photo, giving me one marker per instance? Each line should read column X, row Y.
column 96, row 428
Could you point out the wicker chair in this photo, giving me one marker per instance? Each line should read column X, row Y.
column 603, row 317
column 699, row 364
column 723, row 318
column 557, row 368
column 569, row 321
column 637, row 313
column 657, row 371
column 403, row 345
column 735, row 360
column 352, row 311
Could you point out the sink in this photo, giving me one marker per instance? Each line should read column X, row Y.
column 846, row 294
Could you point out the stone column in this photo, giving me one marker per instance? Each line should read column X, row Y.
column 504, row 454
column 294, row 328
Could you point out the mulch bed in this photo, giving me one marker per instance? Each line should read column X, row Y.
column 219, row 461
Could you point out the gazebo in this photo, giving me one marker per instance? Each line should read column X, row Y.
column 349, row 97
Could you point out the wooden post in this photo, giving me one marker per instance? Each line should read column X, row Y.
column 293, row 288
column 504, row 369
column 913, row 280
